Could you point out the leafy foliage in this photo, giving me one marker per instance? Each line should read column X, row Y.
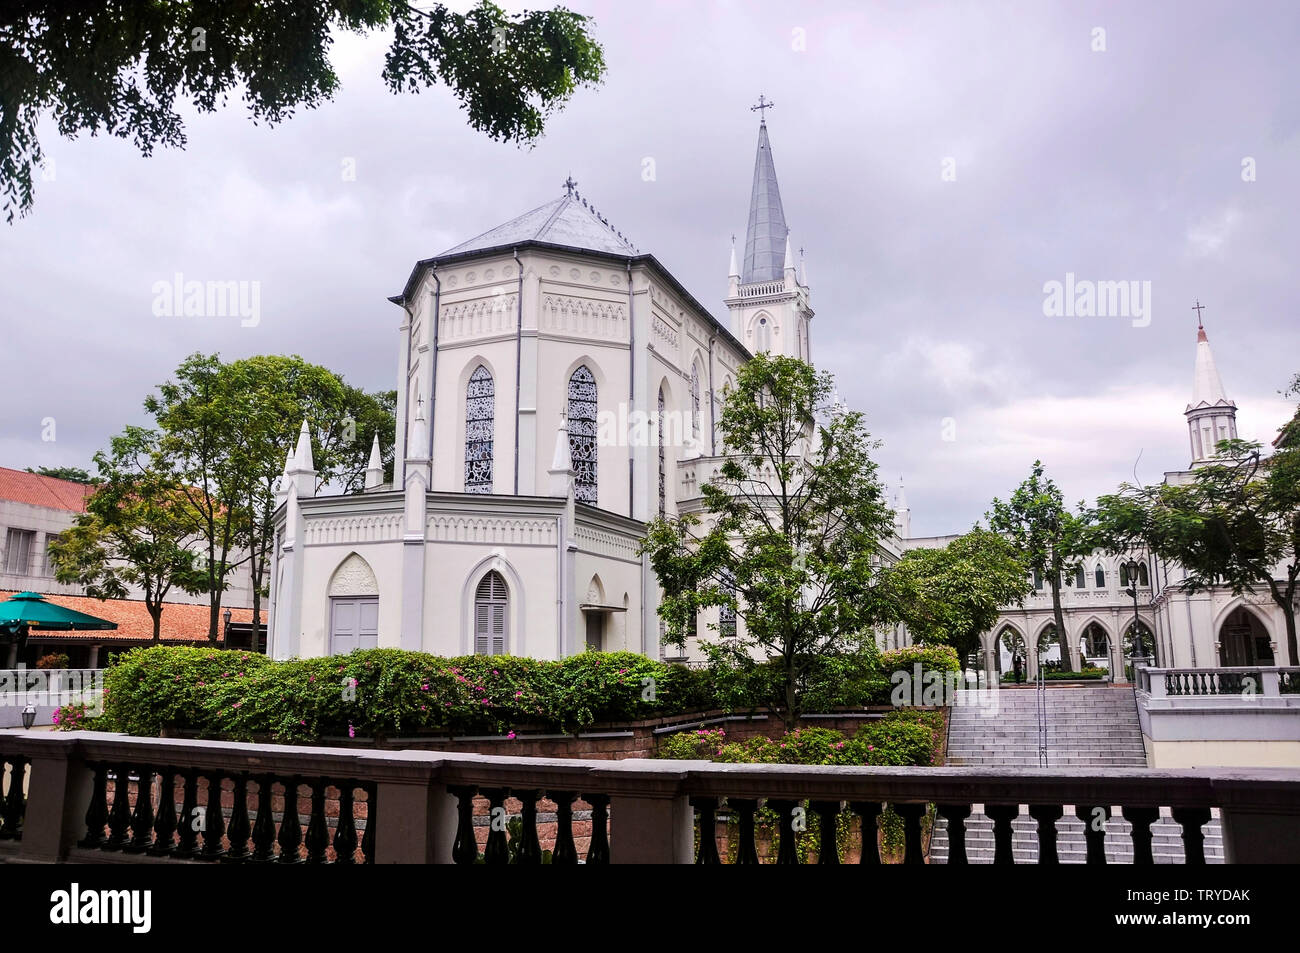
column 75, row 474
column 794, row 520
column 129, row 69
column 951, row 596
column 1236, row 524
column 1049, row 538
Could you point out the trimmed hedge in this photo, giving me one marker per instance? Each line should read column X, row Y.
column 384, row 693
column 906, row 737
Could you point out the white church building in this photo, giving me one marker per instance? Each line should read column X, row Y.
column 538, row 367
column 558, row 388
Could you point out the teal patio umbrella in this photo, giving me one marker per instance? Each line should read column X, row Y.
column 29, row 610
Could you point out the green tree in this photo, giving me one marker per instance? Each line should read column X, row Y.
column 134, row 534
column 951, row 596
column 75, row 474
column 1049, row 537
column 793, row 523
column 129, row 68
column 200, row 427
column 1236, row 524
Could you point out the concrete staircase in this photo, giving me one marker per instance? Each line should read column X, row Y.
column 1087, row 727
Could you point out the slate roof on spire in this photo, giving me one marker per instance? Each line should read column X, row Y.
column 569, row 221
column 765, row 238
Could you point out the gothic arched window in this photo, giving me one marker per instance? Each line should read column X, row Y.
column 762, row 336
column 663, row 462
column 727, row 614
column 695, row 401
column 1099, row 575
column 1123, row 574
column 1078, row 577
column 480, row 419
column 582, row 433
column 490, row 602
column 1143, row 578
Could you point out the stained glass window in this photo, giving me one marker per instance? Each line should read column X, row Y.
column 582, row 433
column 663, row 463
column 480, row 416
column 727, row 614
column 695, row 400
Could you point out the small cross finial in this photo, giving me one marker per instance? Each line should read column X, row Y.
column 570, row 185
column 763, row 105
column 1198, row 308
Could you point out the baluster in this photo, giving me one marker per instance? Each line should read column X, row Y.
column 264, row 827
column 868, row 811
column 97, row 810
column 565, row 852
column 1047, row 815
column 827, row 814
column 786, row 853
column 290, row 838
column 598, row 847
column 15, row 800
column 746, row 849
column 1141, row 818
column 317, row 840
column 1192, row 819
column 164, row 826
column 119, row 818
column 1002, row 815
column 345, row 832
column 1094, row 830
column 912, row 814
column 214, row 821
column 239, row 829
column 706, row 809
column 372, row 818
column 955, row 815
column 187, row 841
column 530, row 849
column 464, row 850
column 497, row 849
column 142, row 819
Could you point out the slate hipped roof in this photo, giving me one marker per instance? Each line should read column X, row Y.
column 766, row 235
column 569, row 221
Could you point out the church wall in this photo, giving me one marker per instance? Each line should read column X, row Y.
column 320, row 560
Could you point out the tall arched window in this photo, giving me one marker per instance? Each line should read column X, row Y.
column 1123, row 574
column 663, row 462
column 480, row 419
column 1099, row 576
column 727, row 614
column 490, row 601
column 1143, row 578
column 695, row 401
column 762, row 336
column 582, row 433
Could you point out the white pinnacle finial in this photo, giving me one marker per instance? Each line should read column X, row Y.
column 789, row 254
column 303, row 454
column 375, row 466
column 560, row 460
column 733, row 271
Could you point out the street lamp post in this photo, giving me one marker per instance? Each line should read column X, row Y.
column 227, row 616
column 1132, row 590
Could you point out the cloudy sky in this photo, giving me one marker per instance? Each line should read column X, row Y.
column 940, row 163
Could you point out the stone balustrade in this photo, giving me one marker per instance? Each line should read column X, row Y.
column 95, row 797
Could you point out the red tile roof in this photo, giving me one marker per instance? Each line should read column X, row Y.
column 181, row 622
column 22, row 487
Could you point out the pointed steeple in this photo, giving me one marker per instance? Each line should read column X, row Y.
column 375, row 466
column 765, row 239
column 733, row 270
column 1211, row 417
column 561, row 471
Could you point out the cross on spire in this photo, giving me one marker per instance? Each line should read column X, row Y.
column 763, row 105
column 570, row 185
column 1198, row 308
